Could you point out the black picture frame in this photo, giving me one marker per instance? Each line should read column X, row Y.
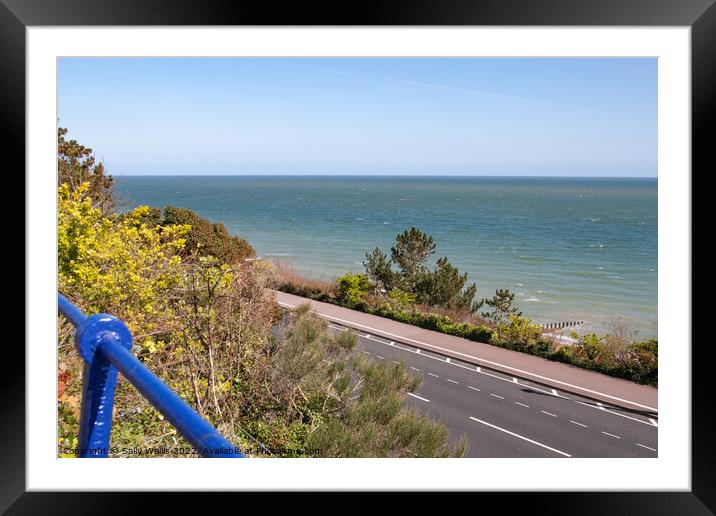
column 700, row 15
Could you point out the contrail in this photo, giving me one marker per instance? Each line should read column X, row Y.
column 460, row 90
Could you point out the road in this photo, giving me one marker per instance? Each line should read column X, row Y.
column 508, row 411
column 504, row 416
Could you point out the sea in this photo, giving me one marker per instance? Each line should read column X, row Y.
column 572, row 249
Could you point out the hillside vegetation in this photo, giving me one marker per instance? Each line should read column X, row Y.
column 203, row 320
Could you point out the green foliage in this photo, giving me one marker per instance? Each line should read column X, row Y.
column 445, row 287
column 375, row 423
column 76, row 165
column 443, row 324
column 208, row 239
column 352, row 289
column 502, row 309
column 400, row 298
column 521, row 334
column 379, row 270
column 410, row 253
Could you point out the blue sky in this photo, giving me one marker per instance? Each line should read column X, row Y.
column 476, row 116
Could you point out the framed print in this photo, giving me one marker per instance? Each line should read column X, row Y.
column 218, row 168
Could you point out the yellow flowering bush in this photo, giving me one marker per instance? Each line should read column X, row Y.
column 118, row 265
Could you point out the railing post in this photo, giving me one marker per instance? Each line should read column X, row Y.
column 99, row 380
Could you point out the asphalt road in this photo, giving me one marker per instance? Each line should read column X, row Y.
column 504, row 416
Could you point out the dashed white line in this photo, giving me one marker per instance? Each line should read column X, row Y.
column 548, row 413
column 520, row 436
column 453, row 381
column 647, row 447
column 366, row 352
column 577, row 423
column 414, row 368
column 473, row 388
column 395, row 362
column 378, row 356
column 497, row 396
column 419, row 397
column 611, row 435
column 433, row 374
column 522, row 404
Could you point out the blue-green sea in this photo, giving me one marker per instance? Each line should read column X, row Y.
column 571, row 248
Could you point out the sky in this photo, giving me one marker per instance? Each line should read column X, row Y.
column 399, row 116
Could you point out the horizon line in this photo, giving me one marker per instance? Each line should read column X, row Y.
column 356, row 174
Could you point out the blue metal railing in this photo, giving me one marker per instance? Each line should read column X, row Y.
column 104, row 342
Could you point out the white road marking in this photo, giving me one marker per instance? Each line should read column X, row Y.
column 391, row 343
column 647, row 447
column 419, row 397
column 480, row 359
column 515, row 380
column 478, row 369
column 520, row 436
column 382, row 358
column 653, row 422
column 533, row 388
column 612, row 435
column 473, row 388
column 404, row 349
column 580, row 424
column 447, row 360
column 417, row 351
column 395, row 362
column 615, row 413
column 495, row 376
column 414, row 368
column 601, row 407
column 554, row 392
column 366, row 352
column 453, row 381
column 522, row 404
column 548, row 413
column 496, row 396
column 433, row 374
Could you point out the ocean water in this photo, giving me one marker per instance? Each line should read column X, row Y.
column 571, row 248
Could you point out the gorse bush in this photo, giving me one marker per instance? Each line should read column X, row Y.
column 118, row 265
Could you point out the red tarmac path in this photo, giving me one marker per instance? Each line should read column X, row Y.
column 590, row 384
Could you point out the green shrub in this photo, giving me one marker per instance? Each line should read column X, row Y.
column 208, row 239
column 353, row 288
